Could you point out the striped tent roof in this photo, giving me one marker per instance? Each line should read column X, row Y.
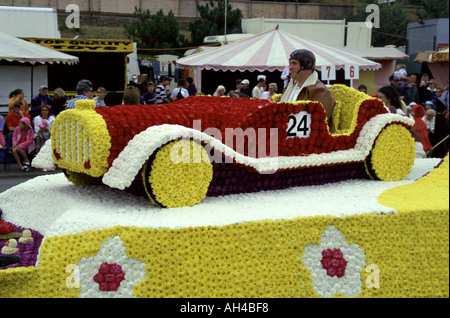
column 269, row 51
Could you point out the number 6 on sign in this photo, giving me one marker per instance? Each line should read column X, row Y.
column 328, row 73
column 351, row 72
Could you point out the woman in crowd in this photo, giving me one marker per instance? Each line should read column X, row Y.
column 440, row 144
column 17, row 95
column 220, row 91
column 100, row 99
column 59, row 101
column 131, row 96
column 271, row 92
column 389, row 96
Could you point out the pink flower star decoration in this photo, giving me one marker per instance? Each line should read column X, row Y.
column 109, row 277
column 333, row 261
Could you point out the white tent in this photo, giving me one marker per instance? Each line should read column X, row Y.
column 24, row 65
column 18, row 50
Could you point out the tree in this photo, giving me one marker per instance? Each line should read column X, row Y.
column 212, row 21
column 394, row 18
column 155, row 31
column 432, row 9
column 393, row 22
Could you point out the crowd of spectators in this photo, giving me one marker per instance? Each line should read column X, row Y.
column 420, row 97
column 27, row 127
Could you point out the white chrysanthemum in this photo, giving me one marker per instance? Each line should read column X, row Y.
column 350, row 283
column 112, row 251
column 44, row 159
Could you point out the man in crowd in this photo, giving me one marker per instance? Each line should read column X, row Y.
column 160, row 90
column 411, row 90
column 84, row 91
column 258, row 90
column 40, row 100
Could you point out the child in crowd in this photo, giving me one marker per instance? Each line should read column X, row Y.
column 149, row 96
column 42, row 125
column 23, row 143
column 43, row 134
column 419, row 127
column 2, row 141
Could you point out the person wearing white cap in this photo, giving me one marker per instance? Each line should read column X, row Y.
column 41, row 99
column 258, row 90
column 245, row 89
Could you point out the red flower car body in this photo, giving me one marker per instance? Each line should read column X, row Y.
column 253, row 144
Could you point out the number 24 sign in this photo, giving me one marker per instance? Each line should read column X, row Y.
column 299, row 125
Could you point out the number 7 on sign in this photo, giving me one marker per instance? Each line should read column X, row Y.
column 328, row 73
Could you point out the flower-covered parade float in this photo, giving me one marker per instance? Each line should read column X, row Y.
column 231, row 197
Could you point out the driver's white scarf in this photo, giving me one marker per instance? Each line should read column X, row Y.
column 292, row 90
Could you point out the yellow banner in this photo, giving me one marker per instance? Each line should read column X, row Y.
column 432, row 57
column 439, row 57
column 79, row 45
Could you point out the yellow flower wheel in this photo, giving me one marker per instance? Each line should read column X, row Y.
column 392, row 155
column 178, row 174
column 81, row 178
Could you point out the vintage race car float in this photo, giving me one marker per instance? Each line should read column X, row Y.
column 179, row 153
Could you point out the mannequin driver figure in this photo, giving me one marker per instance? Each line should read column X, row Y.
column 305, row 84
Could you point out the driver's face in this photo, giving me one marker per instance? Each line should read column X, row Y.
column 294, row 67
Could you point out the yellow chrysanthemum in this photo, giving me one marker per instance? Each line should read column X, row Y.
column 81, row 141
column 348, row 102
column 392, row 155
column 405, row 198
column 179, row 175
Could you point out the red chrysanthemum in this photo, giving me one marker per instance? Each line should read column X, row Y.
column 109, row 277
column 334, row 263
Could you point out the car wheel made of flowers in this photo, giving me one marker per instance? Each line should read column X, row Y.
column 178, row 174
column 179, row 153
column 392, row 156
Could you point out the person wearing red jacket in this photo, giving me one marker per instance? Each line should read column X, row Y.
column 420, row 128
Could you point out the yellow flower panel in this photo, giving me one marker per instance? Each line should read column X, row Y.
column 264, row 258
column 19, row 282
column 403, row 254
column 424, row 194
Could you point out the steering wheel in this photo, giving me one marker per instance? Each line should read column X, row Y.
column 235, row 94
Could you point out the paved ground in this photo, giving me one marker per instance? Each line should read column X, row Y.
column 11, row 175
